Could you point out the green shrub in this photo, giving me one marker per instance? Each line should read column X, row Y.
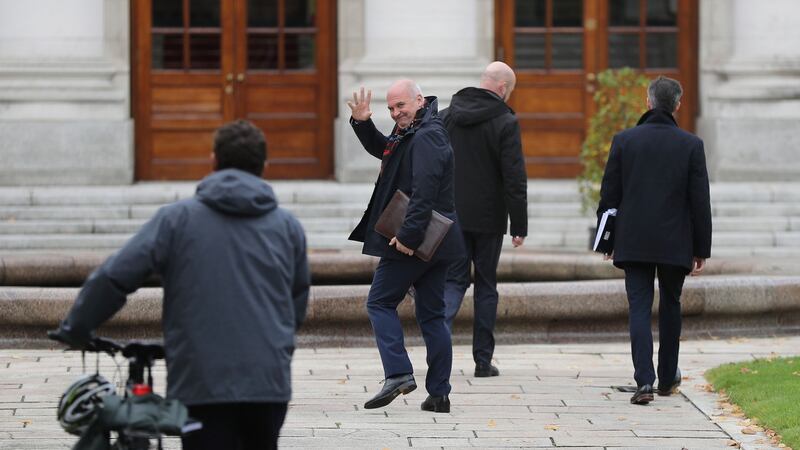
column 620, row 101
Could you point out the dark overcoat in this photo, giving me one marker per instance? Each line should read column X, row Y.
column 491, row 183
column 657, row 179
column 421, row 166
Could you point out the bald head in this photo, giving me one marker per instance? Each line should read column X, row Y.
column 405, row 86
column 500, row 79
column 404, row 98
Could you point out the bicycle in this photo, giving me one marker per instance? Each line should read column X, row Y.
column 91, row 407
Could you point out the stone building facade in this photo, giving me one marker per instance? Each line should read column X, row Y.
column 73, row 105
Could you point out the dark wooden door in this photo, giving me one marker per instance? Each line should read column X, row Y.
column 557, row 47
column 201, row 63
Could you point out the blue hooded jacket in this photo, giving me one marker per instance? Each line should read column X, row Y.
column 236, row 284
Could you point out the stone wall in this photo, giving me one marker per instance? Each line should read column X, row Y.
column 65, row 92
column 443, row 46
column 750, row 89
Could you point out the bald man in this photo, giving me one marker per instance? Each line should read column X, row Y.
column 490, row 186
column 416, row 158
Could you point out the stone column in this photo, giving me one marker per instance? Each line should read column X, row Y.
column 64, row 92
column 750, row 89
column 444, row 45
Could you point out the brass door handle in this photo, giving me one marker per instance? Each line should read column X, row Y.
column 229, row 77
column 240, row 77
column 228, row 89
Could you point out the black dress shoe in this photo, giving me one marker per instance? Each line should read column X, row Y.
column 668, row 389
column 486, row 370
column 643, row 395
column 436, row 404
column 392, row 387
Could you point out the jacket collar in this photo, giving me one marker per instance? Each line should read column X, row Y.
column 425, row 114
column 659, row 116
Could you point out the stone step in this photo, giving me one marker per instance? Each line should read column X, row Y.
column 70, row 268
column 749, row 218
column 751, row 212
column 536, row 225
column 17, row 213
column 739, row 209
column 121, row 226
column 302, row 192
column 737, row 242
column 30, row 311
column 539, row 191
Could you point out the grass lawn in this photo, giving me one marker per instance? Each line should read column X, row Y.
column 767, row 390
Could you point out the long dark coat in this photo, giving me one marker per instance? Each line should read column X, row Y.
column 422, row 167
column 657, row 179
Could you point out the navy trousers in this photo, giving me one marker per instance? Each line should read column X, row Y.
column 482, row 251
column 639, row 279
column 392, row 279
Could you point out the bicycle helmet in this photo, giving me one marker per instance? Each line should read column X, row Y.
column 76, row 409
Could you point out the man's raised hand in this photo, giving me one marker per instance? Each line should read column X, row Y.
column 359, row 106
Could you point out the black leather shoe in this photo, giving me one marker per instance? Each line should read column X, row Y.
column 486, row 370
column 643, row 395
column 436, row 404
column 392, row 387
column 670, row 388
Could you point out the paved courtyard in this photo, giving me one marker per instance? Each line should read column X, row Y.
column 549, row 396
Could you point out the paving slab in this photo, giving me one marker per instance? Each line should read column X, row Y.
column 548, row 396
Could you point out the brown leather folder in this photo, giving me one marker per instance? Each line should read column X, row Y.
column 391, row 220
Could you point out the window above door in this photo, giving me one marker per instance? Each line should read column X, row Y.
column 548, row 34
column 186, row 35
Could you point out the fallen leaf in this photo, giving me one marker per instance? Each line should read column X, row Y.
column 492, row 423
column 551, row 427
column 342, row 381
column 621, row 418
column 744, row 370
column 797, row 374
column 748, row 430
column 514, row 397
column 732, row 443
column 26, row 422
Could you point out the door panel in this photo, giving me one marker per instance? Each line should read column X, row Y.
column 283, row 72
column 557, row 47
column 202, row 63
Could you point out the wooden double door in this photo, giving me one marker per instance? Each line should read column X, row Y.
column 557, row 47
column 202, row 63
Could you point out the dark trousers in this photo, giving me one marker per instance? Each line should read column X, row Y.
column 482, row 251
column 236, row 426
column 639, row 286
column 390, row 284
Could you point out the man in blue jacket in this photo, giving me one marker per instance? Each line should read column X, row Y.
column 236, row 283
column 416, row 158
column 657, row 180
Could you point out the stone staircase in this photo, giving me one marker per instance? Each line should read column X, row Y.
column 750, row 219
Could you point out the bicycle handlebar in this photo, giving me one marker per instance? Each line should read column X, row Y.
column 143, row 350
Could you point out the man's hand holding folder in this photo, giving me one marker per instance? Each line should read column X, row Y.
column 604, row 239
